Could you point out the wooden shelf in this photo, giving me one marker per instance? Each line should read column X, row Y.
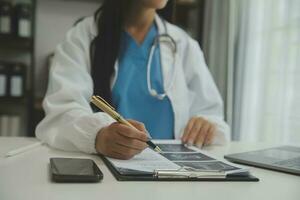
column 13, row 42
column 19, row 49
column 7, row 101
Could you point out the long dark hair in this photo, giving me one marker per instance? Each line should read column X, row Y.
column 105, row 47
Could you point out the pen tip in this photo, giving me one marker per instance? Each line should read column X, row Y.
column 157, row 149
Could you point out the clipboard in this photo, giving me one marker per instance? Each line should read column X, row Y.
column 172, row 175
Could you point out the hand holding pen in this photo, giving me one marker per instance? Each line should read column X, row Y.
column 122, row 139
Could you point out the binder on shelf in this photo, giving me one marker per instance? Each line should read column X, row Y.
column 176, row 163
column 10, row 125
column 17, row 80
column 4, row 125
column 3, row 80
column 23, row 20
column 14, row 126
column 6, row 11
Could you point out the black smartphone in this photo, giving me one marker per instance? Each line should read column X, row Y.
column 74, row 170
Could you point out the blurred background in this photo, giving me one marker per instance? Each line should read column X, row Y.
column 252, row 48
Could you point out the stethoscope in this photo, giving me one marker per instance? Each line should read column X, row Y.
column 167, row 39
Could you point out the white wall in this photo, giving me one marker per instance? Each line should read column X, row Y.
column 54, row 18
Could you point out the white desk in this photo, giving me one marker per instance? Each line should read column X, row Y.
column 26, row 176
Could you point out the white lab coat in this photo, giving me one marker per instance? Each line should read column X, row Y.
column 70, row 123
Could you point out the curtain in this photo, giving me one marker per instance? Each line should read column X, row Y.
column 218, row 48
column 261, row 69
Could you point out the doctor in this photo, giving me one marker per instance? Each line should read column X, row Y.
column 149, row 69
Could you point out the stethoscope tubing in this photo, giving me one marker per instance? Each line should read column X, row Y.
column 153, row 92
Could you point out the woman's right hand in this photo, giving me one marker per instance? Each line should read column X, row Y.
column 120, row 141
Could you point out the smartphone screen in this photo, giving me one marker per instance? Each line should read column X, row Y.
column 74, row 170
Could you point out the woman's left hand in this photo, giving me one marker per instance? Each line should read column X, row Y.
column 199, row 132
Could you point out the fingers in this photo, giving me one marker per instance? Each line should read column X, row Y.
column 120, row 141
column 130, row 142
column 130, row 132
column 125, row 147
column 210, row 136
column 202, row 134
column 124, row 151
column 140, row 126
column 194, row 132
column 199, row 132
column 188, row 129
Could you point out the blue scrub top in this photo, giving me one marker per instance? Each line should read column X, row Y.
column 130, row 93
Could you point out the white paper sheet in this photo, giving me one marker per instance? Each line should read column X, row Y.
column 147, row 161
column 176, row 157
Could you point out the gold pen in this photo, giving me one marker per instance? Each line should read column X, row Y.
column 104, row 106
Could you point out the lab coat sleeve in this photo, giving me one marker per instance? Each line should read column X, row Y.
column 207, row 101
column 69, row 123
